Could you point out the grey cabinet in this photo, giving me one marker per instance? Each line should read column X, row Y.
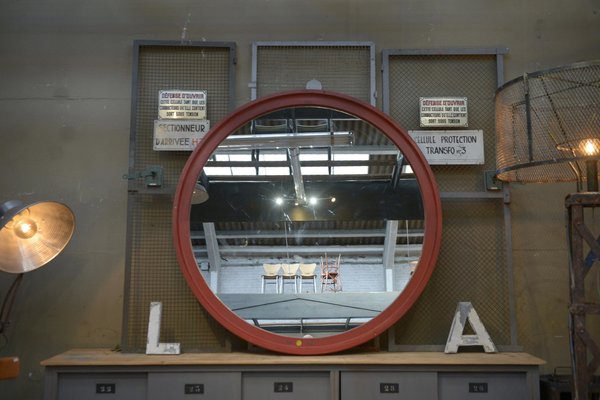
column 105, row 375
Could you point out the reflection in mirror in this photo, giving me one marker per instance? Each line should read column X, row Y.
column 307, row 221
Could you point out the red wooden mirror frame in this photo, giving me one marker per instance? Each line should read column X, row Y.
column 336, row 342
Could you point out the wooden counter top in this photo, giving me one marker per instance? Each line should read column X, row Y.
column 105, row 357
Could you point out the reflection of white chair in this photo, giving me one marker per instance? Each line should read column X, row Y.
column 270, row 275
column 289, row 276
column 307, row 271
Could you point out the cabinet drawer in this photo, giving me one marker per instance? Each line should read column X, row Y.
column 483, row 386
column 388, row 385
column 87, row 386
column 194, row 385
column 286, row 385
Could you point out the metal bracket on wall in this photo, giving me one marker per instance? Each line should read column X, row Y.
column 491, row 182
column 152, row 174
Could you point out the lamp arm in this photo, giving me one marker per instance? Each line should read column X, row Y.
column 8, row 302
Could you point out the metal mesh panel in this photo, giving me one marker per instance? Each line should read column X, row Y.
column 153, row 270
column 471, row 267
column 543, row 122
column 181, row 68
column 155, row 276
column 471, row 76
column 472, row 261
column 343, row 69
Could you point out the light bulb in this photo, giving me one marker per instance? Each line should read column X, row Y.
column 279, row 201
column 25, row 228
column 313, row 201
column 589, row 147
column 333, row 199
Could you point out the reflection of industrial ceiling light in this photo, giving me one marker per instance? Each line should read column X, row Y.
column 313, row 201
column 31, row 236
column 200, row 194
column 287, row 140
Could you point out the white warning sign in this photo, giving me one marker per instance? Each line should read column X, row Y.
column 178, row 135
column 182, row 104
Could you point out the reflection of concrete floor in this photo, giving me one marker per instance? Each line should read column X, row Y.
column 308, row 306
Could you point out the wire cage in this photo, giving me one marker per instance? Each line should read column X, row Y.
column 548, row 125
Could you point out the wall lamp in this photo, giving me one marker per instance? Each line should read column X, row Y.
column 152, row 174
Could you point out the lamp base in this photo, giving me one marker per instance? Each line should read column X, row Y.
column 9, row 367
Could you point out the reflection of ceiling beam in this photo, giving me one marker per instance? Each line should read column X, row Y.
column 389, row 250
column 267, row 251
column 212, row 246
column 397, row 173
column 328, row 233
column 355, row 149
column 312, row 163
column 390, row 242
column 287, row 140
column 307, row 178
column 294, row 155
column 362, row 200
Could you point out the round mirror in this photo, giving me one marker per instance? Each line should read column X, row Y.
column 307, row 222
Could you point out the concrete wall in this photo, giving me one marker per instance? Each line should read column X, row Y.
column 65, row 73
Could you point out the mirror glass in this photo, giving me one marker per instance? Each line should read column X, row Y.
column 307, row 222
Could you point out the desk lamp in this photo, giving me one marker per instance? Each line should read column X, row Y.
column 30, row 237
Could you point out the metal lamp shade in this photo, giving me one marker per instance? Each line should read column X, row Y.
column 53, row 226
column 548, row 125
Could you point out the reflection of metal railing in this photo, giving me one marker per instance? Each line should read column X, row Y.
column 317, row 327
column 314, row 313
column 360, row 245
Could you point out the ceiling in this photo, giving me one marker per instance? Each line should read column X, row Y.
column 306, row 181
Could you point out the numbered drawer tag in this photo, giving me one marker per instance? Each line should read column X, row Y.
column 389, row 388
column 106, row 388
column 478, row 387
column 284, row 387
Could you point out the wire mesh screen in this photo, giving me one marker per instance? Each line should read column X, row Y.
column 472, row 262
column 152, row 270
column 470, row 76
column 340, row 68
column 548, row 124
column 471, row 267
